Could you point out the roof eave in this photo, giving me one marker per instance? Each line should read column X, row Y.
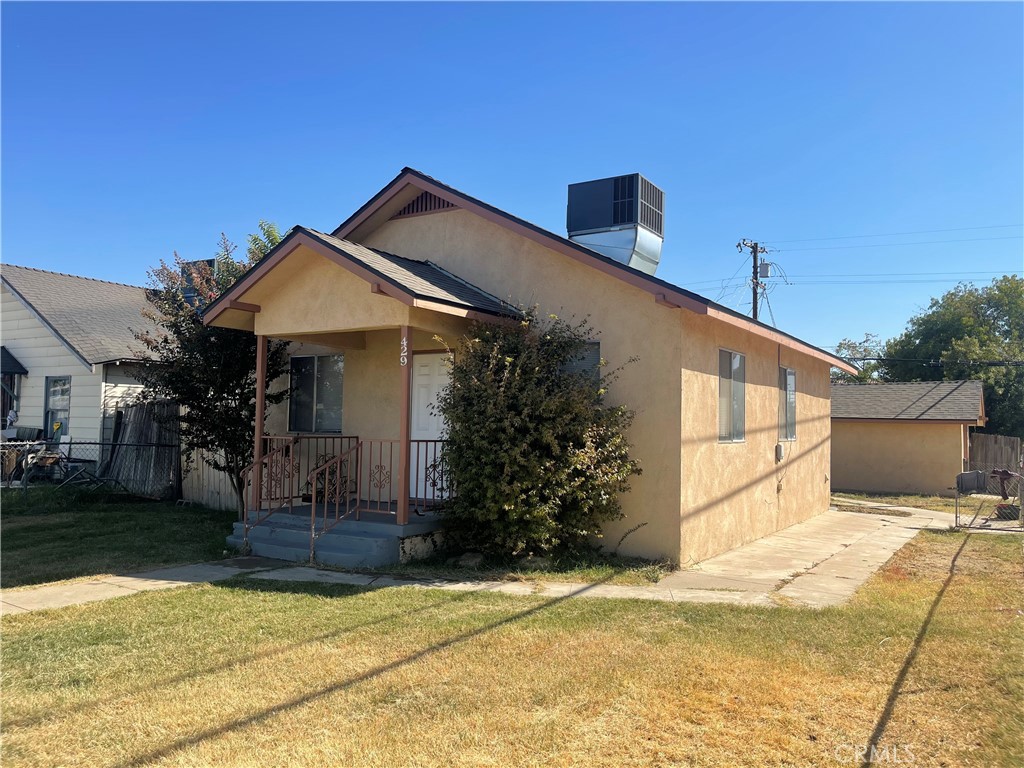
column 664, row 293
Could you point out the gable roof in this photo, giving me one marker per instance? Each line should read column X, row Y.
column 410, row 184
column 910, row 401
column 94, row 319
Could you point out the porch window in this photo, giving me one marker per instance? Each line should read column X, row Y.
column 57, row 414
column 731, row 405
column 787, row 404
column 316, row 393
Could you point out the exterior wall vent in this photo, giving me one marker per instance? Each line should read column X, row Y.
column 424, row 203
column 622, row 217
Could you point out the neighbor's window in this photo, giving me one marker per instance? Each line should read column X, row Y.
column 787, row 404
column 58, row 406
column 316, row 388
column 731, row 411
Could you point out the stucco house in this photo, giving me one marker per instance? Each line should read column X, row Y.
column 905, row 437
column 732, row 426
column 69, row 354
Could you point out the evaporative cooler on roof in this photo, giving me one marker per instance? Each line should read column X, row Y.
column 621, row 217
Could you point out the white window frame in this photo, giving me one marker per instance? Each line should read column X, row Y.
column 732, row 407
column 787, row 404
column 49, row 411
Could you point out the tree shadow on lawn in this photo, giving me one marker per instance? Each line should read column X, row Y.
column 339, row 685
column 245, row 583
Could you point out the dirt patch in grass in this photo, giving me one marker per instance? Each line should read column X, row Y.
column 924, row 660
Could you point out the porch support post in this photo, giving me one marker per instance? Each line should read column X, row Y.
column 261, row 409
column 405, row 426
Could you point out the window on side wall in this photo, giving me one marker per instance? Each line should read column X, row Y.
column 316, row 393
column 731, row 407
column 787, row 404
column 587, row 363
column 58, row 407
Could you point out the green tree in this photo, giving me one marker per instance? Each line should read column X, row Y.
column 960, row 329
column 852, row 350
column 210, row 372
column 537, row 457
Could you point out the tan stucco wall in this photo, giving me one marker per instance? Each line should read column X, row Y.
column 907, row 457
column 696, row 497
column 630, row 324
column 733, row 493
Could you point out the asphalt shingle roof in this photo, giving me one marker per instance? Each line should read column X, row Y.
column 95, row 317
column 910, row 400
column 422, row 279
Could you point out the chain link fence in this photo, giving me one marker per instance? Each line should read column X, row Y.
column 989, row 497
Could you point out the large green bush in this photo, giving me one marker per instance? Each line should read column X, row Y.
column 537, row 459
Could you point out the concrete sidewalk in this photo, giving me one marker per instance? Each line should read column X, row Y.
column 817, row 563
column 78, row 592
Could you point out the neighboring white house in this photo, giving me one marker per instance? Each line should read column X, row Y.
column 69, row 351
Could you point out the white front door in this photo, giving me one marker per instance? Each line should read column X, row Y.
column 429, row 378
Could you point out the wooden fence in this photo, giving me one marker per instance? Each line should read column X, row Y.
column 995, row 452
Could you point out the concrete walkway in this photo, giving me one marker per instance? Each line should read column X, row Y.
column 78, row 592
column 817, row 563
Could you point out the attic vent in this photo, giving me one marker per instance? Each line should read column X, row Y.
column 425, row 203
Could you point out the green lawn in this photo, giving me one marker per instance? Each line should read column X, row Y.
column 51, row 535
column 923, row 663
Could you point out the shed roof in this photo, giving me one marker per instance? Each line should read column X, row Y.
column 94, row 318
column 910, row 401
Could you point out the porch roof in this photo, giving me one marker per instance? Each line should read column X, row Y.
column 420, row 279
column 417, row 283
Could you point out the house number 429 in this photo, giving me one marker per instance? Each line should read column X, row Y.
column 403, row 358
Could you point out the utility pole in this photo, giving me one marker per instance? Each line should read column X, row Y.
column 755, row 283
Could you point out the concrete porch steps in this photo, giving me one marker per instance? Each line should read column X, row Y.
column 369, row 542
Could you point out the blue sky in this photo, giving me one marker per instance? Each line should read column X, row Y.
column 133, row 130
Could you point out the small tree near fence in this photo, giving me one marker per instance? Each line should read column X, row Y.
column 209, row 372
column 537, row 459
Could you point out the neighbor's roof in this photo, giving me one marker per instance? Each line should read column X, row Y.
column 420, row 279
column 95, row 319
column 910, row 401
column 10, row 364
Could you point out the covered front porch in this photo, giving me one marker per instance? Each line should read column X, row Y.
column 359, row 440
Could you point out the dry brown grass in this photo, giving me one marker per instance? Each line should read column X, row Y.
column 268, row 674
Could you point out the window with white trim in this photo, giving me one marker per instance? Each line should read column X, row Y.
column 787, row 404
column 57, row 416
column 731, row 405
column 315, row 402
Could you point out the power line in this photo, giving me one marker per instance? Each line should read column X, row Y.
column 899, row 245
column 898, row 234
column 936, row 363
column 863, row 274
